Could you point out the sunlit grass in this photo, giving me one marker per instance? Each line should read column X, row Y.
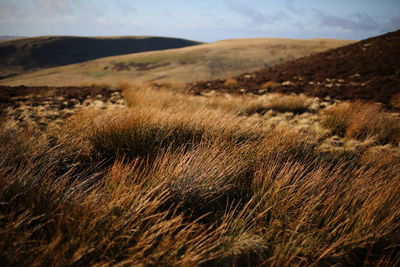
column 198, row 181
column 361, row 121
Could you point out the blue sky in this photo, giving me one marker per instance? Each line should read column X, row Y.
column 202, row 20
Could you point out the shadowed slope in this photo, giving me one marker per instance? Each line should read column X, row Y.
column 369, row 70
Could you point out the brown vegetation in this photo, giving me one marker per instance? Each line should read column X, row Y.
column 230, row 83
column 196, row 182
column 367, row 70
column 361, row 121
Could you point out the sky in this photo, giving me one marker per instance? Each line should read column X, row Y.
column 201, row 20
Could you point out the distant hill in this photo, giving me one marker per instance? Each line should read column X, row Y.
column 201, row 62
column 9, row 37
column 27, row 54
column 369, row 70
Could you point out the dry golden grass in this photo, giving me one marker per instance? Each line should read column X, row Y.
column 173, row 97
column 306, row 220
column 192, row 183
column 361, row 121
column 146, row 131
column 164, row 96
column 287, row 103
column 231, row 83
column 269, row 84
column 395, row 100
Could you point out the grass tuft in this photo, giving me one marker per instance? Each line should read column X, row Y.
column 362, row 121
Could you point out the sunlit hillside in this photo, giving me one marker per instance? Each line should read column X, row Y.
column 201, row 62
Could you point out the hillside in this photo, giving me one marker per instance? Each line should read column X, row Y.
column 27, row 54
column 8, row 37
column 369, row 70
column 201, row 62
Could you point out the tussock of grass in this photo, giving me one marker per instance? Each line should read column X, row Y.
column 290, row 103
column 338, row 118
column 206, row 178
column 382, row 158
column 165, row 96
column 146, row 131
column 287, row 144
column 191, row 183
column 361, row 121
column 270, row 85
column 231, row 83
column 296, row 104
column 246, row 105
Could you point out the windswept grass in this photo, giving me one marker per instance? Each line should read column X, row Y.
column 196, row 183
column 145, row 132
column 281, row 103
column 320, row 215
column 162, row 96
column 167, row 96
column 361, row 121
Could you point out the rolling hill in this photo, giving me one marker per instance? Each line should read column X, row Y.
column 368, row 70
column 9, row 37
column 27, row 54
column 201, row 62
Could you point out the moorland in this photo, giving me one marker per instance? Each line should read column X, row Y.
column 294, row 164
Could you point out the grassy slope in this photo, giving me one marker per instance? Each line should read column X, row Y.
column 28, row 54
column 201, row 62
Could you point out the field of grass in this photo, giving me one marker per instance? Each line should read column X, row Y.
column 201, row 62
column 24, row 55
column 179, row 180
